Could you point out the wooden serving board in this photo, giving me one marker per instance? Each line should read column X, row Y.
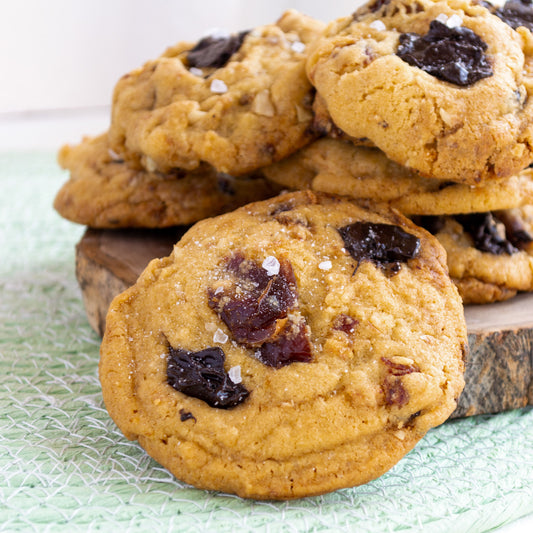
column 499, row 369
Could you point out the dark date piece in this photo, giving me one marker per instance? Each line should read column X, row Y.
column 257, row 300
column 483, row 229
column 386, row 245
column 456, row 55
column 395, row 393
column 345, row 323
column 377, row 5
column 255, row 308
column 516, row 229
column 201, row 375
column 186, row 415
column 516, row 13
column 291, row 345
column 211, row 52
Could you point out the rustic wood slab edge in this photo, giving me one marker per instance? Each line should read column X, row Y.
column 499, row 368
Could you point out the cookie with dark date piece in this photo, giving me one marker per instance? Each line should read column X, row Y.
column 490, row 255
column 443, row 87
column 293, row 347
column 237, row 102
column 104, row 191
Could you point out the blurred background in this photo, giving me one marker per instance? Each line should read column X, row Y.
column 60, row 59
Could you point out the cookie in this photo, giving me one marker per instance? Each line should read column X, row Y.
column 237, row 102
column 337, row 167
column 490, row 255
column 439, row 85
column 293, row 347
column 105, row 191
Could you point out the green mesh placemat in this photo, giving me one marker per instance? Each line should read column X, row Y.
column 65, row 467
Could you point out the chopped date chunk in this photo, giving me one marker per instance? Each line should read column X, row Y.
column 256, row 301
column 500, row 232
column 202, row 375
column 376, row 5
column 411, row 420
column 399, row 369
column 516, row 13
column 255, row 307
column 488, row 235
column 291, row 345
column 385, row 245
column 282, row 208
column 456, row 55
column 186, row 415
column 395, row 393
column 345, row 323
column 515, row 230
column 213, row 52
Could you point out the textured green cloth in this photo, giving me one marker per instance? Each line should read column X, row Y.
column 65, row 467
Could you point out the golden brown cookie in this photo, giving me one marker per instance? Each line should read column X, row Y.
column 237, row 102
column 338, row 167
column 490, row 255
column 104, row 191
column 292, row 347
column 439, row 85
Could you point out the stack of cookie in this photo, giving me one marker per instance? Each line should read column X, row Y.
column 305, row 342
column 444, row 90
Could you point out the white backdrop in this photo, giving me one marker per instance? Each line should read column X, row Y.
column 65, row 54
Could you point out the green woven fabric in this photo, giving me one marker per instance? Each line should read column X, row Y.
column 65, row 467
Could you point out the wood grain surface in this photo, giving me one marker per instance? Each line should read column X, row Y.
column 499, row 369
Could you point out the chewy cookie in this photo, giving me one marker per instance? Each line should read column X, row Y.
column 441, row 86
column 105, row 191
column 237, row 102
column 338, row 167
column 490, row 255
column 292, row 347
